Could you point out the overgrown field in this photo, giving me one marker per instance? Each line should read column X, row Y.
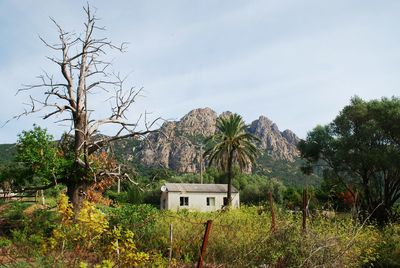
column 139, row 235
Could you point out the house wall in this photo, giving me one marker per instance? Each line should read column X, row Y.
column 197, row 201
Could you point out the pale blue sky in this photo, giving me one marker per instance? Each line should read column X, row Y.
column 296, row 62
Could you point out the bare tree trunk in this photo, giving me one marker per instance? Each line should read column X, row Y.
column 76, row 192
column 83, row 72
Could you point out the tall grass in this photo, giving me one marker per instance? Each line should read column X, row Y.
column 238, row 238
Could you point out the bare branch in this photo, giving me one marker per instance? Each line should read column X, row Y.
column 93, row 147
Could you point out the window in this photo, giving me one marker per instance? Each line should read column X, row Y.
column 184, row 201
column 210, row 201
column 225, row 201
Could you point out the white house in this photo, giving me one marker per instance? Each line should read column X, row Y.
column 199, row 197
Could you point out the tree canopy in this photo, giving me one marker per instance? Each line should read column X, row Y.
column 231, row 145
column 360, row 149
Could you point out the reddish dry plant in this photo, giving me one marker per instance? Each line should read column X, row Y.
column 96, row 190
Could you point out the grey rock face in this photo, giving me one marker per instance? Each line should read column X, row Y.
column 281, row 145
column 177, row 144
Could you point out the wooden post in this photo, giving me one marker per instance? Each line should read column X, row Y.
column 204, row 246
column 271, row 204
column 119, row 185
column 170, row 245
column 304, row 225
column 201, row 163
column 117, row 245
column 43, row 200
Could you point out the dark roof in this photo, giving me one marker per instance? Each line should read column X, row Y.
column 198, row 188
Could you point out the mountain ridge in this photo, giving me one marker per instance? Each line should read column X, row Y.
column 178, row 144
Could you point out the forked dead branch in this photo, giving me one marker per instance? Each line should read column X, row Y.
column 85, row 71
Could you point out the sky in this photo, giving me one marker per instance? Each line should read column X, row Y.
column 296, row 62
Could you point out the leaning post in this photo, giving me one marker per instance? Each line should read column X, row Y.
column 204, row 245
column 271, row 204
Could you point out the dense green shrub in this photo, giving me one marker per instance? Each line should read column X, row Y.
column 138, row 218
column 4, row 242
column 389, row 247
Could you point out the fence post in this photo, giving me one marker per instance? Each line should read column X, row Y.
column 204, row 245
column 43, row 199
column 170, row 245
column 271, row 204
column 304, row 225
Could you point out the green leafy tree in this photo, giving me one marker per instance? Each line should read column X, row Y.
column 38, row 162
column 37, row 152
column 360, row 150
column 230, row 146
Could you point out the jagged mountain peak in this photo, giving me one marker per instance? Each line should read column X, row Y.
column 181, row 149
column 198, row 122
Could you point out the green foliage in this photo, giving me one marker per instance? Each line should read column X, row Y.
column 37, row 161
column 4, row 242
column 389, row 247
column 254, row 188
column 287, row 172
column 246, row 235
column 140, row 234
column 130, row 194
column 7, row 152
column 28, row 224
column 89, row 234
column 360, row 150
column 36, row 150
column 14, row 215
column 140, row 218
column 231, row 145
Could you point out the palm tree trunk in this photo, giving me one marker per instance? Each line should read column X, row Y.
column 230, row 175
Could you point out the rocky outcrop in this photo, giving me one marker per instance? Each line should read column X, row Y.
column 281, row 145
column 178, row 145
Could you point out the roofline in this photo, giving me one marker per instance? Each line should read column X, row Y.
column 234, row 190
column 201, row 192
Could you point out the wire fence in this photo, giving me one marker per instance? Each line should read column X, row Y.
column 237, row 238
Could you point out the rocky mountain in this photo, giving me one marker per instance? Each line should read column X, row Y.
column 178, row 145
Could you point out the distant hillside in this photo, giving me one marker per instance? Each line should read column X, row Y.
column 7, row 152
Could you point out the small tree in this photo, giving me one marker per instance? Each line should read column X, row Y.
column 230, row 146
column 83, row 73
column 38, row 157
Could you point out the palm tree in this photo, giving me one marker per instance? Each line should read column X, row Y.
column 231, row 145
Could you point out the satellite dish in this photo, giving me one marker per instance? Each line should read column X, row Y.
column 163, row 188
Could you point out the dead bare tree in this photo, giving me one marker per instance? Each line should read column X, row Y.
column 83, row 72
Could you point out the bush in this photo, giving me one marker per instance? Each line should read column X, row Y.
column 138, row 218
column 90, row 236
column 4, row 242
column 389, row 247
